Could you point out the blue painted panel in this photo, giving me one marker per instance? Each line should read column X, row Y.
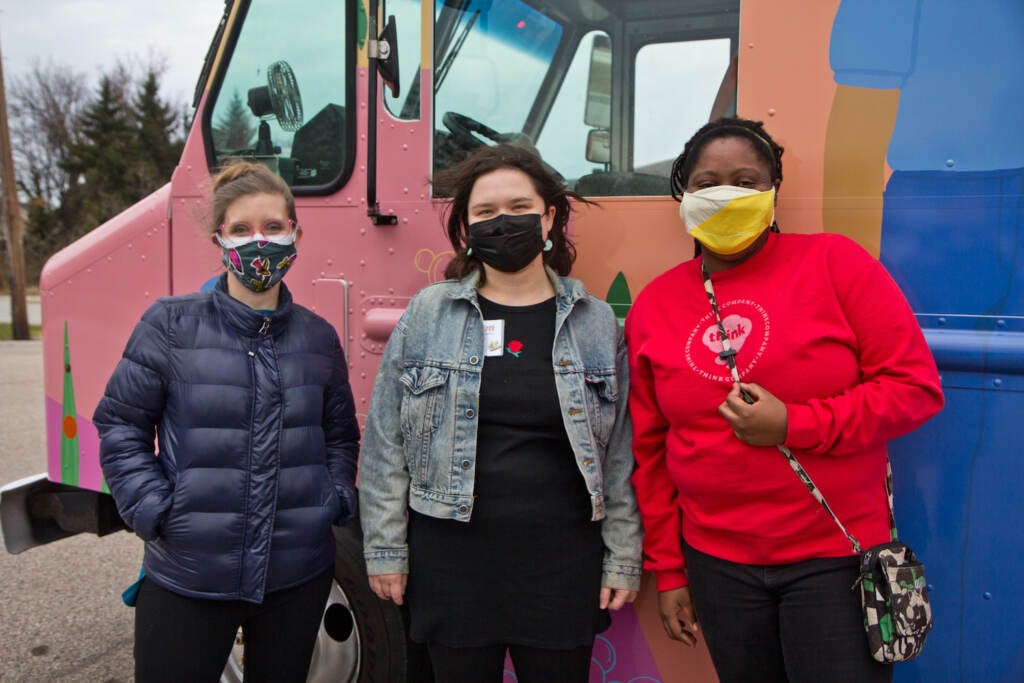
column 931, row 476
column 993, row 649
column 954, row 242
column 953, row 239
column 959, row 482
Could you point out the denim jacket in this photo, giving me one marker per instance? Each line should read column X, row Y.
column 419, row 445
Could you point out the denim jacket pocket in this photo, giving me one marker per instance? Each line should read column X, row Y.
column 602, row 396
column 423, row 399
column 423, row 404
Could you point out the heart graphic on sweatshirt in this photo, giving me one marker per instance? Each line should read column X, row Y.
column 736, row 327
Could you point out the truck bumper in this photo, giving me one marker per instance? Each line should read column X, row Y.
column 35, row 511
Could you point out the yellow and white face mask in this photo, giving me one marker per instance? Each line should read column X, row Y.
column 727, row 219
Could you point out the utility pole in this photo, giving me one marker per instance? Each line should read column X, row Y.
column 12, row 226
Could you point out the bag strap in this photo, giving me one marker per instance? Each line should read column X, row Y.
column 728, row 356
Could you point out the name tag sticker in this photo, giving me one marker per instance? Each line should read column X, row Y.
column 494, row 337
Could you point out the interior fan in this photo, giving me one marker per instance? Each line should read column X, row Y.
column 279, row 98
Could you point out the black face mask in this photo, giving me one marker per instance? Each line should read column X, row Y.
column 507, row 243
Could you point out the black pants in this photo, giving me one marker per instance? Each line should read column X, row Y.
column 188, row 639
column 532, row 664
column 796, row 622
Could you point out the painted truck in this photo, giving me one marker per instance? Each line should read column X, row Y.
column 900, row 123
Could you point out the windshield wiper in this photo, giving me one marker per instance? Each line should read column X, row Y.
column 446, row 64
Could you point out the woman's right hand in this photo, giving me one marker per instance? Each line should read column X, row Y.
column 677, row 615
column 389, row 586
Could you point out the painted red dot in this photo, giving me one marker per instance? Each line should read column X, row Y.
column 521, row 24
column 70, row 427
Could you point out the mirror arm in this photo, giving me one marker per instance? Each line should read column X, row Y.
column 372, row 205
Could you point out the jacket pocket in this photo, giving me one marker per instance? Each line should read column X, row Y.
column 423, row 408
column 423, row 400
column 602, row 398
column 151, row 515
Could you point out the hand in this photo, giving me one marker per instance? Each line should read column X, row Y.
column 761, row 423
column 389, row 586
column 615, row 598
column 677, row 615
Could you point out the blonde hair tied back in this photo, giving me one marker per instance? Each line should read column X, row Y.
column 240, row 178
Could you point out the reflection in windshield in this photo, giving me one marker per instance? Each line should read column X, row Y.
column 517, row 71
column 495, row 61
column 282, row 100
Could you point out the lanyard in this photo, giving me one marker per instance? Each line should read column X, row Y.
column 728, row 355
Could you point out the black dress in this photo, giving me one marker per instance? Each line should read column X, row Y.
column 526, row 569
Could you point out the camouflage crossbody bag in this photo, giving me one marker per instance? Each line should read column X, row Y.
column 894, row 594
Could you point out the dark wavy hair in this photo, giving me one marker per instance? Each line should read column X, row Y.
column 457, row 182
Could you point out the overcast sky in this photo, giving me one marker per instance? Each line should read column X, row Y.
column 91, row 35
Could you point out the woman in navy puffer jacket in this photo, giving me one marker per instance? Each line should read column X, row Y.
column 248, row 395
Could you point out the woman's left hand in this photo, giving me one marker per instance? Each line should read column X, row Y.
column 615, row 598
column 761, row 423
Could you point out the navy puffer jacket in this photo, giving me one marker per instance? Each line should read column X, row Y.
column 258, row 443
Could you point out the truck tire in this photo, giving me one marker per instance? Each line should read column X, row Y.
column 361, row 638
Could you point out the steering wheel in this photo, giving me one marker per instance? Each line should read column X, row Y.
column 465, row 130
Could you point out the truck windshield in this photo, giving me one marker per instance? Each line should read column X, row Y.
column 492, row 58
column 605, row 92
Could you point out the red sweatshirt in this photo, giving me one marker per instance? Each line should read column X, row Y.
column 817, row 322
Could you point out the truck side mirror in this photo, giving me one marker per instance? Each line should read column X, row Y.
column 387, row 56
column 599, row 146
column 598, row 110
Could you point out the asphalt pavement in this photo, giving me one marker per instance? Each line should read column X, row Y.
column 61, row 616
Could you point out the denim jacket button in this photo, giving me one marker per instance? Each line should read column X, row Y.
column 473, row 360
column 466, row 464
column 470, row 413
column 463, row 509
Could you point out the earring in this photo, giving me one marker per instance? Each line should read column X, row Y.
column 469, row 252
column 548, row 245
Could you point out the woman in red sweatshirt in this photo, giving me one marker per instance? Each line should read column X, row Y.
column 832, row 365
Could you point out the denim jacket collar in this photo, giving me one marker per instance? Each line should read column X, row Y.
column 567, row 290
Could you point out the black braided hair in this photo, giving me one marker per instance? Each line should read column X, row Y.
column 725, row 127
column 728, row 126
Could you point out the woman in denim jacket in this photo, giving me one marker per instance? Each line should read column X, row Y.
column 495, row 492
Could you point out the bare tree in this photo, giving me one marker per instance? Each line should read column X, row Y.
column 46, row 104
column 84, row 152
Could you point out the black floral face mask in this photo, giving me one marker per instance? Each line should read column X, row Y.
column 259, row 264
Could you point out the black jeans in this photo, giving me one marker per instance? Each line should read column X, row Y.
column 532, row 664
column 189, row 639
column 795, row 623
